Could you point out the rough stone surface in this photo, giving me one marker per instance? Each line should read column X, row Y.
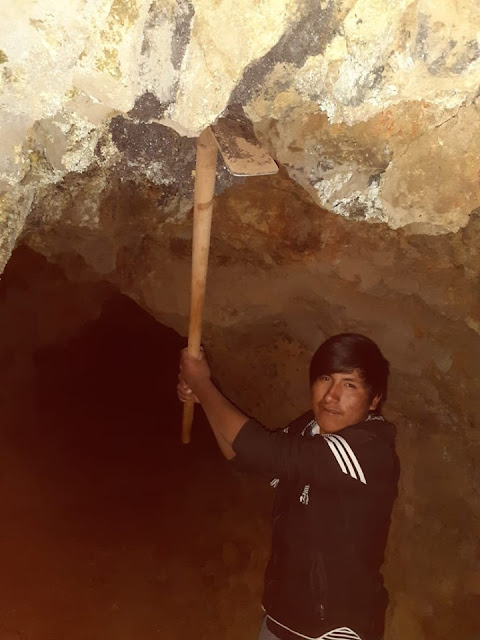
column 314, row 77
column 371, row 110
column 417, row 295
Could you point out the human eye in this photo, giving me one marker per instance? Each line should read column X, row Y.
column 350, row 385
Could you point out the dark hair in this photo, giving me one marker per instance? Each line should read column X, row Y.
column 348, row 351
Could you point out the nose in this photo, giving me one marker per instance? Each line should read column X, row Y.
column 332, row 393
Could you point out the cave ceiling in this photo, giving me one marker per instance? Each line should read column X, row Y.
column 371, row 110
column 371, row 107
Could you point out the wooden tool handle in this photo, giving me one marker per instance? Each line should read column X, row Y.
column 205, row 173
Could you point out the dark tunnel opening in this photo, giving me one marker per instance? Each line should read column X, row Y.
column 112, row 527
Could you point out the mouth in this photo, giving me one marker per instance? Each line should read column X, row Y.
column 333, row 412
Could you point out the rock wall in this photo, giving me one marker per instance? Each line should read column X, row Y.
column 284, row 275
column 371, row 110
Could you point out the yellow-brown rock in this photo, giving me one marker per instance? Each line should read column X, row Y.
column 371, row 110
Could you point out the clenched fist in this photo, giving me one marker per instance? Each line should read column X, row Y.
column 193, row 371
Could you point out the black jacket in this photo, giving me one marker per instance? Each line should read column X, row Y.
column 331, row 515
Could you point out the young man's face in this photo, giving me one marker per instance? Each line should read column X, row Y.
column 340, row 400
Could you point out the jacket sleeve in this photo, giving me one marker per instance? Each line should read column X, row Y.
column 351, row 459
column 243, row 464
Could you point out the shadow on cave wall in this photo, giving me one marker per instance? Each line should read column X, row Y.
column 114, row 528
column 119, row 370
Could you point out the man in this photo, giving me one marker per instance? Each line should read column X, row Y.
column 335, row 475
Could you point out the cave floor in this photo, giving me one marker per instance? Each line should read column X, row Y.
column 111, row 528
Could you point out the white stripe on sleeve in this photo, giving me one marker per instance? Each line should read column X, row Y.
column 338, row 457
column 353, row 457
column 343, row 454
column 345, row 457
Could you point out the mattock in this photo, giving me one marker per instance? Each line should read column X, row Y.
column 243, row 156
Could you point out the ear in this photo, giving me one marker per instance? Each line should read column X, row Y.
column 374, row 403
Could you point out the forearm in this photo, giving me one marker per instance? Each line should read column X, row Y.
column 225, row 419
